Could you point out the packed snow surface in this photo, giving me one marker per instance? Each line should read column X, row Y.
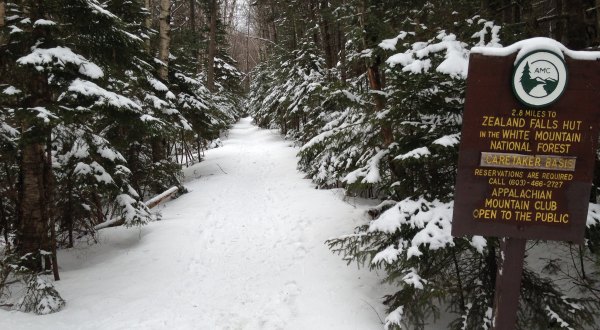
column 244, row 249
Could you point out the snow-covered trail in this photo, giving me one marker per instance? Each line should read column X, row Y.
column 244, row 249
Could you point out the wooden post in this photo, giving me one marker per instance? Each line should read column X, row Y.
column 508, row 283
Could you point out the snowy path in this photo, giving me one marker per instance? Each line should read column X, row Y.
column 243, row 250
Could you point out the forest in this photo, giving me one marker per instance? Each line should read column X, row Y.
column 103, row 103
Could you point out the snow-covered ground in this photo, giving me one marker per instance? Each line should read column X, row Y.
column 244, row 249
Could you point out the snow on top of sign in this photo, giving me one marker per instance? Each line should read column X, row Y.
column 526, row 46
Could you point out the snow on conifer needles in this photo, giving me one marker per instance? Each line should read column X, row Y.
column 89, row 129
column 399, row 143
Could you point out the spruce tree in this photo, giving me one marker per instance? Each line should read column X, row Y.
column 396, row 137
column 59, row 107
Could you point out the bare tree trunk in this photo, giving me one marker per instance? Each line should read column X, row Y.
column 33, row 222
column 2, row 13
column 327, row 42
column 4, row 226
column 148, row 20
column 313, row 12
column 273, row 26
column 597, row 41
column 34, row 169
column 212, row 46
column 507, row 11
column 486, row 6
column 49, row 189
column 248, row 53
column 201, row 52
column 2, row 19
column 157, row 142
column 576, row 29
column 158, row 149
column 559, row 27
column 231, row 15
column 165, row 38
column 193, row 15
column 376, row 84
column 342, row 50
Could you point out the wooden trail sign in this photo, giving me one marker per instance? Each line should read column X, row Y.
column 527, row 154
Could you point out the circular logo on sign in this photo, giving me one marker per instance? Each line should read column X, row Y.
column 539, row 78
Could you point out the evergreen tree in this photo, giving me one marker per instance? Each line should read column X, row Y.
column 526, row 81
column 387, row 124
column 59, row 106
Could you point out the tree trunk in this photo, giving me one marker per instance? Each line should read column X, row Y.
column 559, row 27
column 67, row 220
column 49, row 190
column 598, row 21
column 158, row 149
column 165, row 38
column 376, row 81
column 325, row 31
column 35, row 170
column 248, row 56
column 342, row 50
column 273, row 26
column 35, row 174
column 200, row 51
column 485, row 4
column 576, row 29
column 229, row 12
column 33, row 222
column 193, row 16
column 376, row 84
column 212, row 46
column 2, row 13
column 313, row 8
column 2, row 19
column 4, row 226
column 507, row 11
column 148, row 21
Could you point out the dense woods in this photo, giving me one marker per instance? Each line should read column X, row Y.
column 373, row 91
column 103, row 102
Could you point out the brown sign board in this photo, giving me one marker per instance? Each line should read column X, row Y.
column 523, row 171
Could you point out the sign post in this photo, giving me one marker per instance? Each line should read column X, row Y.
column 508, row 283
column 527, row 154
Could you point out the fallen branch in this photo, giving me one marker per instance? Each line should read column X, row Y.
column 152, row 202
